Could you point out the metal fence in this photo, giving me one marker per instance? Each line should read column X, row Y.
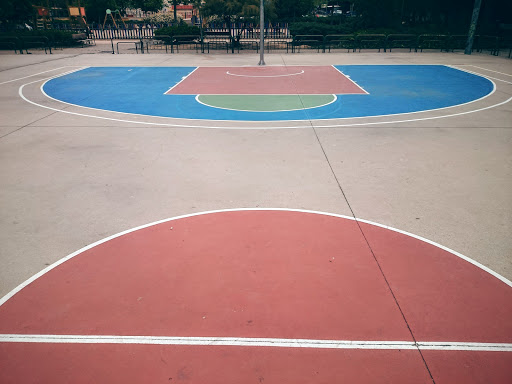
column 143, row 31
column 122, row 34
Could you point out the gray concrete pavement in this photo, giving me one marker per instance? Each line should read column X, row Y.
column 67, row 180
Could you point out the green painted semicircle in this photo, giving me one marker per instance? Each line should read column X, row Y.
column 265, row 103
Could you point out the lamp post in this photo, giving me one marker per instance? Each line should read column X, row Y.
column 262, row 32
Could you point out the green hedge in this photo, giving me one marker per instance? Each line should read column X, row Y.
column 181, row 29
column 63, row 38
column 321, row 27
column 357, row 25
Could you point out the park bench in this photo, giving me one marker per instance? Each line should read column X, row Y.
column 401, row 41
column 307, row 41
column 371, row 41
column 504, row 43
column 486, row 43
column 83, row 39
column 36, row 42
column 186, row 41
column 276, row 44
column 159, row 42
column 340, row 42
column 11, row 42
column 432, row 42
column 217, row 40
column 456, row 42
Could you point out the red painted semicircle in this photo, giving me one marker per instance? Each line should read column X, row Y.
column 266, row 274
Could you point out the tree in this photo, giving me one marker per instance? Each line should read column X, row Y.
column 95, row 9
column 472, row 27
column 291, row 9
column 14, row 12
column 147, row 5
column 197, row 4
column 378, row 13
column 230, row 11
column 174, row 7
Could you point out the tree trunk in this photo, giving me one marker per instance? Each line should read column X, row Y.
column 227, row 19
column 472, row 27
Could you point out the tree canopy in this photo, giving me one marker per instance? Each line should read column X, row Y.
column 292, row 9
column 96, row 8
column 16, row 11
column 228, row 10
column 451, row 16
column 147, row 5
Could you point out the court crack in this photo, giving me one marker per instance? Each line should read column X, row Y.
column 361, row 230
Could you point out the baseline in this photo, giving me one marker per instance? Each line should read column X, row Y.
column 256, row 342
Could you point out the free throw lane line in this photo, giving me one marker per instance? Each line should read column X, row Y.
column 287, row 74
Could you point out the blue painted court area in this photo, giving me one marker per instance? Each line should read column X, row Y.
column 392, row 89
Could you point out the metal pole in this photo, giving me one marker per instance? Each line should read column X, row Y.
column 262, row 33
column 472, row 27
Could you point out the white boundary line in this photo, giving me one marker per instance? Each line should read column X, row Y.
column 20, row 91
column 457, row 346
column 40, row 73
column 64, row 259
column 286, row 75
column 281, row 110
column 478, row 74
column 490, row 70
column 208, row 341
column 178, row 83
column 254, row 342
column 348, row 77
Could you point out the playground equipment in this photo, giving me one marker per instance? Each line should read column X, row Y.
column 113, row 15
column 74, row 15
column 77, row 15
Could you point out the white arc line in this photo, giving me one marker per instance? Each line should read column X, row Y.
column 35, row 74
column 70, row 256
column 489, row 70
column 254, row 342
column 481, row 75
column 288, row 74
column 255, row 111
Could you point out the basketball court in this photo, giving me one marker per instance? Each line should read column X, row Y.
column 325, row 218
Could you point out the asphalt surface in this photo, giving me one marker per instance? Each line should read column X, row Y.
column 68, row 180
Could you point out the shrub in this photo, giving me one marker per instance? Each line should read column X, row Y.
column 321, row 26
column 180, row 29
column 311, row 28
column 63, row 38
